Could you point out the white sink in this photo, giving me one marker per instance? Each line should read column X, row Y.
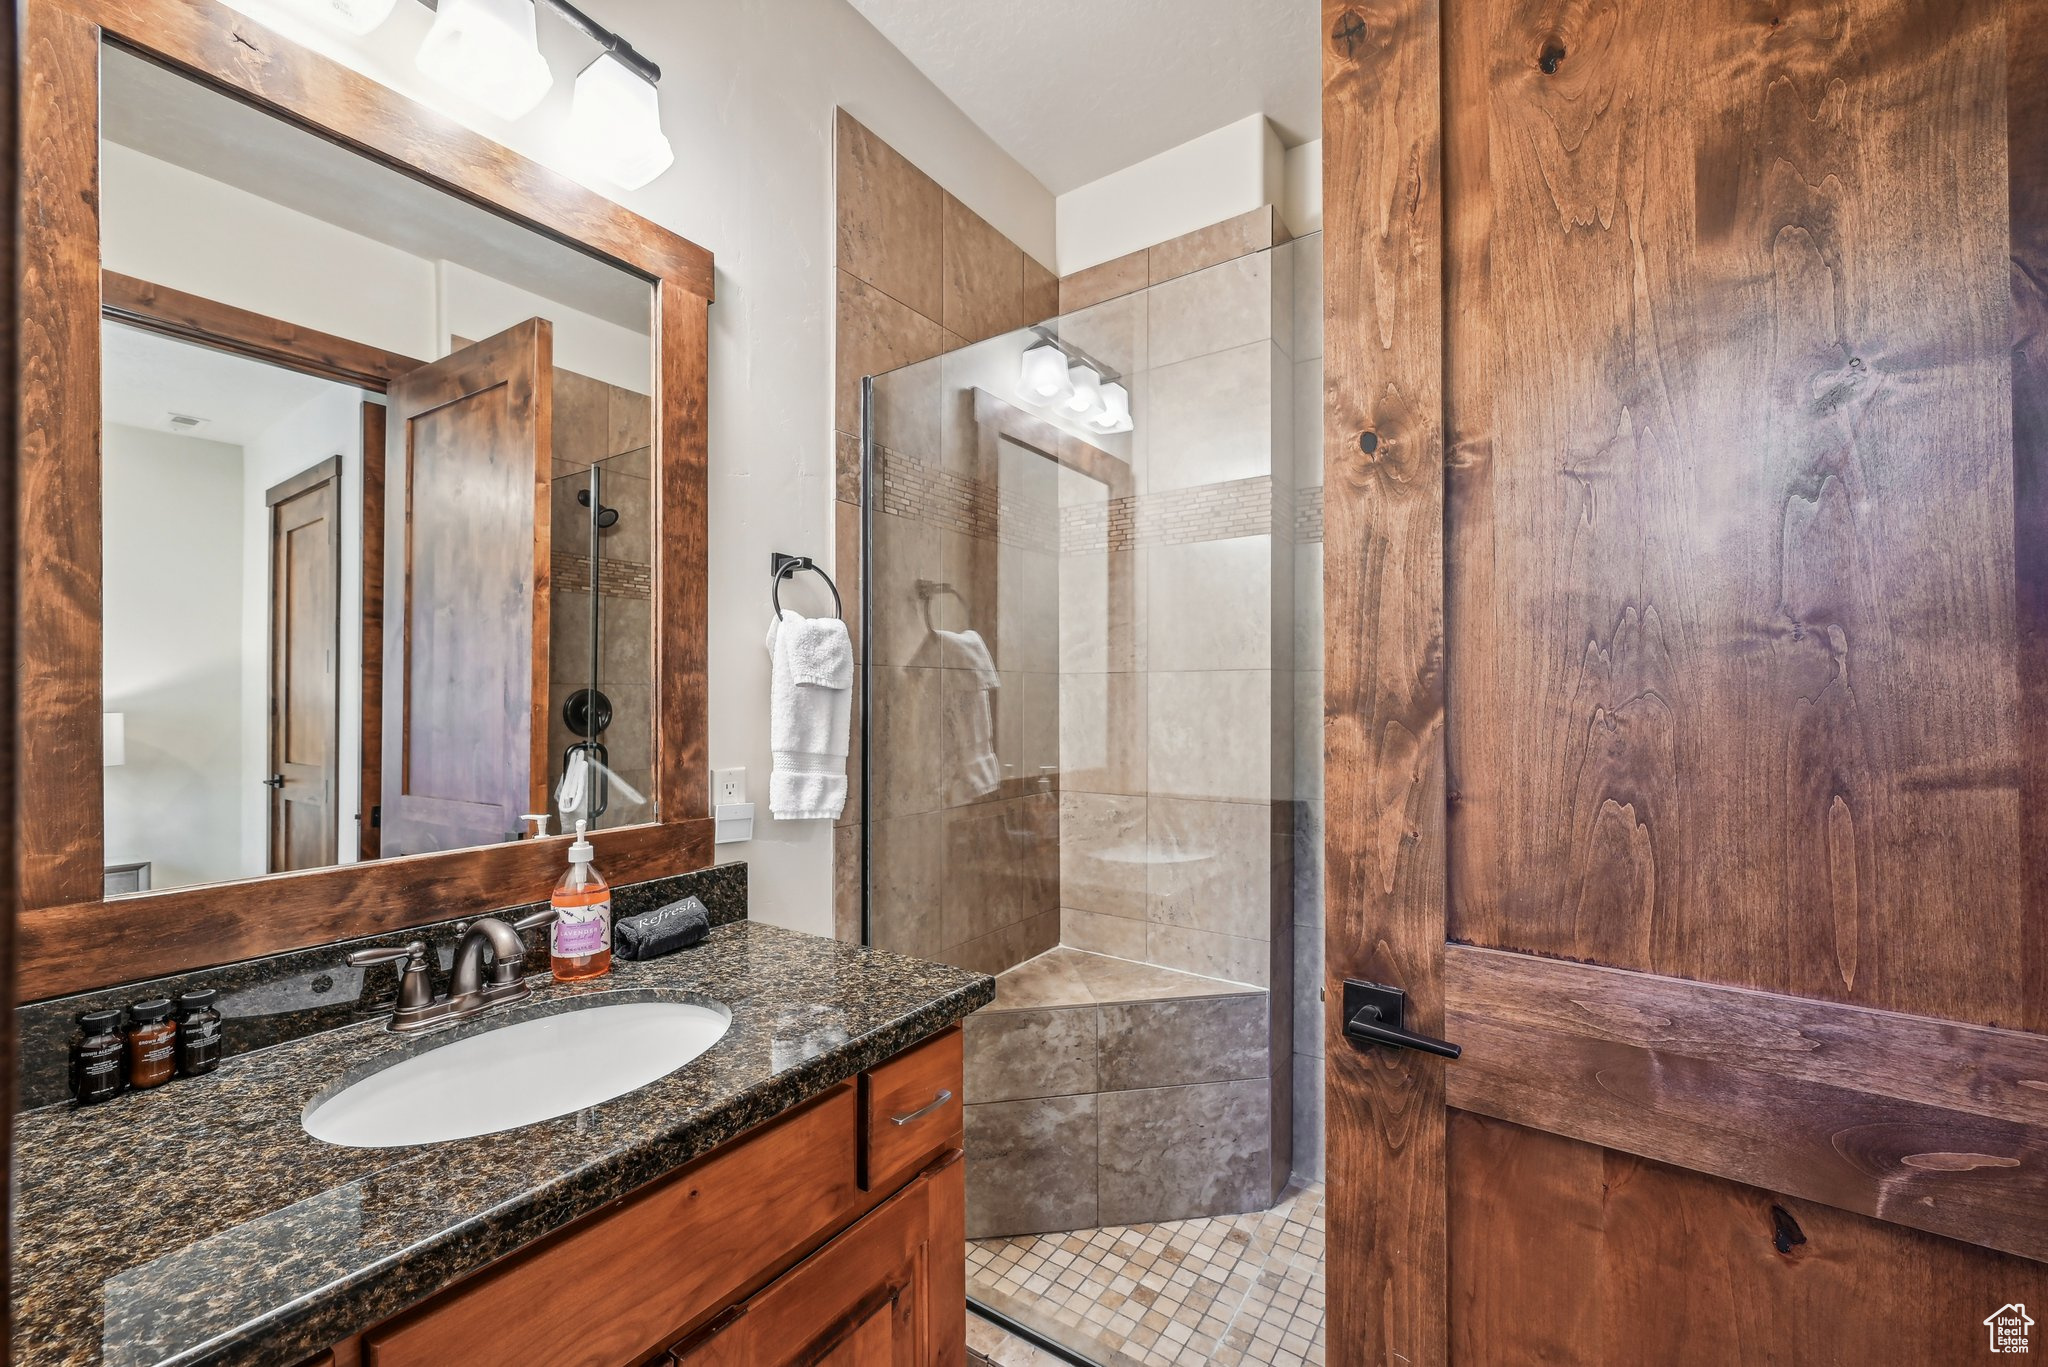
column 517, row 1074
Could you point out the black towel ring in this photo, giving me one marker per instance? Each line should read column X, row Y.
column 786, row 565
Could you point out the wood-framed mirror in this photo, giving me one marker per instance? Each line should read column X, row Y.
column 363, row 507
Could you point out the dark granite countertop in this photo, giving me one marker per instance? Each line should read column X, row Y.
column 199, row 1223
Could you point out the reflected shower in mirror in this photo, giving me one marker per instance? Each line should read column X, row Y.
column 379, row 519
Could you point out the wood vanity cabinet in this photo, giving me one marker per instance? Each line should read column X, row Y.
column 834, row 1233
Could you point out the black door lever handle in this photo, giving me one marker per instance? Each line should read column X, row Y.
column 1372, row 1015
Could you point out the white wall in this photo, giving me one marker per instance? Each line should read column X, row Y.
column 1301, row 202
column 1221, row 174
column 173, row 628
column 748, row 93
column 175, row 227
column 329, row 425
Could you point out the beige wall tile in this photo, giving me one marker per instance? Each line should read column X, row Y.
column 1308, row 296
column 1210, row 419
column 1106, row 281
column 582, row 419
column 890, row 219
column 1099, row 934
column 1213, row 309
column 846, row 884
column 908, row 774
column 1182, row 1041
column 906, row 550
column 1102, row 733
column 909, row 873
column 1015, row 1055
column 1041, row 293
column 1209, row 734
column 1210, row 866
column 1102, row 611
column 1002, row 866
column 631, row 421
column 875, row 334
column 1031, row 1166
column 1209, row 604
column 1210, row 954
column 1176, row 1152
column 984, row 276
column 1103, row 855
column 1252, row 231
column 1114, row 331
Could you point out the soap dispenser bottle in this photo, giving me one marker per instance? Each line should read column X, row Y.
column 580, row 941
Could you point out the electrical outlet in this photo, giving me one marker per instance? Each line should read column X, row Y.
column 728, row 786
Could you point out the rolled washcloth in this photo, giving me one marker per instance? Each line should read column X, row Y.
column 810, row 704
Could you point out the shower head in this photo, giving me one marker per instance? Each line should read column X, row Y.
column 606, row 516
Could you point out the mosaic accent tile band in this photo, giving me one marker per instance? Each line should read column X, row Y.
column 1229, row 1290
column 615, row 578
column 911, row 488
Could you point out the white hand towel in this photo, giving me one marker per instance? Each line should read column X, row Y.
column 810, row 707
column 972, row 719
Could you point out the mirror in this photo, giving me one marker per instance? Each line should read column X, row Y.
column 357, row 608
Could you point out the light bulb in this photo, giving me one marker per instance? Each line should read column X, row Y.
column 1086, row 400
column 615, row 124
column 1116, row 409
column 1044, row 375
column 486, row 51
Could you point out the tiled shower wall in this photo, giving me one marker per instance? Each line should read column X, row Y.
column 965, row 871
column 612, row 428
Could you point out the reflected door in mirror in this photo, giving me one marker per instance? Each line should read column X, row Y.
column 305, row 648
column 466, row 594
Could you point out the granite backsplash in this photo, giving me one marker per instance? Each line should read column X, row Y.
column 288, row 996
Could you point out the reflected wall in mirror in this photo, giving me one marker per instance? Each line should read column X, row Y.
column 357, row 608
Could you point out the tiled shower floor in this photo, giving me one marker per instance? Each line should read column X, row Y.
column 1226, row 1289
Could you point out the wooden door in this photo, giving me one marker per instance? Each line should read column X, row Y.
column 1686, row 466
column 304, row 757
column 883, row 1294
column 466, row 594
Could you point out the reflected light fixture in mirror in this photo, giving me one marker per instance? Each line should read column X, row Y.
column 488, row 51
column 615, row 124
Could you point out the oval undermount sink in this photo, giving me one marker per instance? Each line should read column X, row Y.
column 521, row 1073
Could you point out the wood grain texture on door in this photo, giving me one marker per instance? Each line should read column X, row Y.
column 1383, row 685
column 1744, row 389
column 466, row 548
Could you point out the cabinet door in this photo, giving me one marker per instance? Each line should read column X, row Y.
column 880, row 1295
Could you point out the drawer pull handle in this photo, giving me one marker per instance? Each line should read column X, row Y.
column 921, row 1112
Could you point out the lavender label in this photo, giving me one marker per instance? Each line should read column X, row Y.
column 581, row 931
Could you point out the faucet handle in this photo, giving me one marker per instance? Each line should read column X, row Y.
column 415, row 970
column 415, row 949
column 540, row 918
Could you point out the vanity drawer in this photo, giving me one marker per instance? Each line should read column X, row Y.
column 622, row 1283
column 910, row 1110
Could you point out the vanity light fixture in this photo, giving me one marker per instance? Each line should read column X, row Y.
column 1085, row 401
column 1116, row 409
column 1044, row 378
column 615, row 123
column 488, row 51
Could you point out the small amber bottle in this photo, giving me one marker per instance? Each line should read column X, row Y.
column 96, row 1057
column 152, row 1043
column 198, row 1032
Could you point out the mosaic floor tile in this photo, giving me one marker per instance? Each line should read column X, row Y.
column 1236, row 1290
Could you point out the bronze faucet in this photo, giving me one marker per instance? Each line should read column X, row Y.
column 419, row 1008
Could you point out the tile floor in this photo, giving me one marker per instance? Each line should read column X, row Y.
column 1230, row 1289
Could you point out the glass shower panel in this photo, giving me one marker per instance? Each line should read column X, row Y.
column 601, row 635
column 1093, row 748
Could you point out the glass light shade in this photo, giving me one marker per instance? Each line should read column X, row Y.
column 486, row 51
column 1044, row 378
column 615, row 124
column 1116, row 408
column 113, row 739
column 1086, row 400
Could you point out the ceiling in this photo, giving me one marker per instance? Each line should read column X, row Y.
column 145, row 378
column 164, row 115
column 1076, row 89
